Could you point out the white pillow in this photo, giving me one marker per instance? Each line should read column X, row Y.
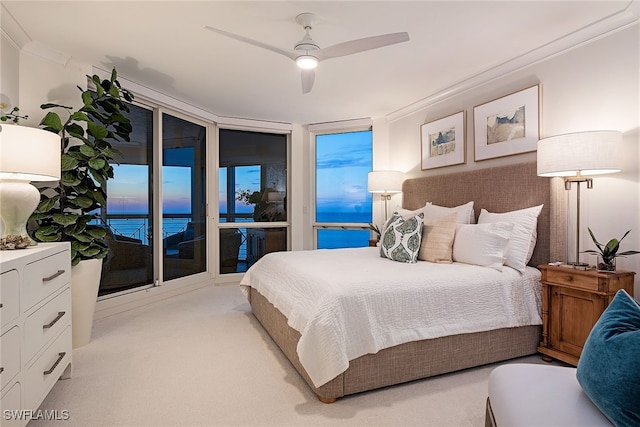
column 523, row 237
column 465, row 212
column 482, row 244
column 406, row 213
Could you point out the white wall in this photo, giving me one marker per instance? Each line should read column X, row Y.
column 9, row 72
column 44, row 81
column 593, row 87
column 9, row 78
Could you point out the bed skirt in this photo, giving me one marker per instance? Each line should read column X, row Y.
column 404, row 362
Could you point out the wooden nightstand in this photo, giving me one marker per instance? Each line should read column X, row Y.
column 572, row 302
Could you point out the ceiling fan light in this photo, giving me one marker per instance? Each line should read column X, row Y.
column 307, row 62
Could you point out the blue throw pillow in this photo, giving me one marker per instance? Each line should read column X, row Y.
column 609, row 367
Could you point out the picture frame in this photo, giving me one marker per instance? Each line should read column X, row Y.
column 508, row 125
column 443, row 141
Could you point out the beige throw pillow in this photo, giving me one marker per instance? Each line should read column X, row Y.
column 437, row 239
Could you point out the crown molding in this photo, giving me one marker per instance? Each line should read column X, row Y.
column 158, row 98
column 592, row 32
column 47, row 53
column 11, row 30
column 18, row 37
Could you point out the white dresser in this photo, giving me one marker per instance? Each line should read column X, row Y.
column 35, row 330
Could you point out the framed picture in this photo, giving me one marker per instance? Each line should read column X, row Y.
column 507, row 125
column 443, row 142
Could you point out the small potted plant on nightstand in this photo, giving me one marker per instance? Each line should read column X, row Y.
column 375, row 229
column 608, row 253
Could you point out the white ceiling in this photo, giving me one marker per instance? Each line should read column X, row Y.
column 163, row 45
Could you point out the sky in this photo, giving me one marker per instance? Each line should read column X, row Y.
column 128, row 190
column 343, row 161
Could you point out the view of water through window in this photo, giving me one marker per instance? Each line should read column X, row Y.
column 343, row 161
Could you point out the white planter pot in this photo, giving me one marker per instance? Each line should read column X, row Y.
column 85, row 281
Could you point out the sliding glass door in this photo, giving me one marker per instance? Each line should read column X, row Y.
column 129, row 215
column 136, row 216
column 184, row 213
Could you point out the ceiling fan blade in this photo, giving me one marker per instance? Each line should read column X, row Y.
column 361, row 45
column 288, row 54
column 308, row 77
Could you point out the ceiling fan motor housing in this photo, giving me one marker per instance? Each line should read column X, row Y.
column 306, row 43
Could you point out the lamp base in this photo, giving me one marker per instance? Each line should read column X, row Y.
column 18, row 200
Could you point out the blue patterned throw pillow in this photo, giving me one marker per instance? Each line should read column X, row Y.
column 401, row 238
column 609, row 367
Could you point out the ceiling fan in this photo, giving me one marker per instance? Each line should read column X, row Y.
column 307, row 52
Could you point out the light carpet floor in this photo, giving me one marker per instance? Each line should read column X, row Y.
column 202, row 359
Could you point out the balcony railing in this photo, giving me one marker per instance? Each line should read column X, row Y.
column 138, row 226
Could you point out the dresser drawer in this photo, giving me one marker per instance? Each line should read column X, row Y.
column 47, row 369
column 9, row 297
column 46, row 323
column 12, row 403
column 9, row 356
column 45, row 276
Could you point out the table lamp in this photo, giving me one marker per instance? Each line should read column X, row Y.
column 385, row 182
column 577, row 156
column 26, row 154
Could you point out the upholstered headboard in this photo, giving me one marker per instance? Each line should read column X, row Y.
column 500, row 189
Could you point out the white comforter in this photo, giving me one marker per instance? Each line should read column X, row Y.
column 349, row 302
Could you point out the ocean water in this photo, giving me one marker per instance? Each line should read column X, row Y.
column 343, row 238
column 139, row 228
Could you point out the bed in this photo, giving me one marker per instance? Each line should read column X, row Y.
column 497, row 189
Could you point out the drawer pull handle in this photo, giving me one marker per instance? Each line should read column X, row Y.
column 51, row 369
column 53, row 276
column 54, row 321
column 1, row 369
column 1, row 305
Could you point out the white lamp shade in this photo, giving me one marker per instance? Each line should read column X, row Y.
column 29, row 154
column 385, row 182
column 590, row 153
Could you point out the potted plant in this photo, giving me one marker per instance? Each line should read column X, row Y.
column 67, row 213
column 608, row 253
column 375, row 229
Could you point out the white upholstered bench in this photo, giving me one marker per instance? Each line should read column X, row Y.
column 539, row 396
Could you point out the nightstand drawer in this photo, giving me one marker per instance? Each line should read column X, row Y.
column 573, row 279
column 46, row 370
column 44, row 277
column 46, row 323
column 9, row 356
column 590, row 280
column 9, row 296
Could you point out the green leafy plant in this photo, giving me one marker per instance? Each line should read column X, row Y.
column 609, row 251
column 375, row 229
column 64, row 213
column 13, row 115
